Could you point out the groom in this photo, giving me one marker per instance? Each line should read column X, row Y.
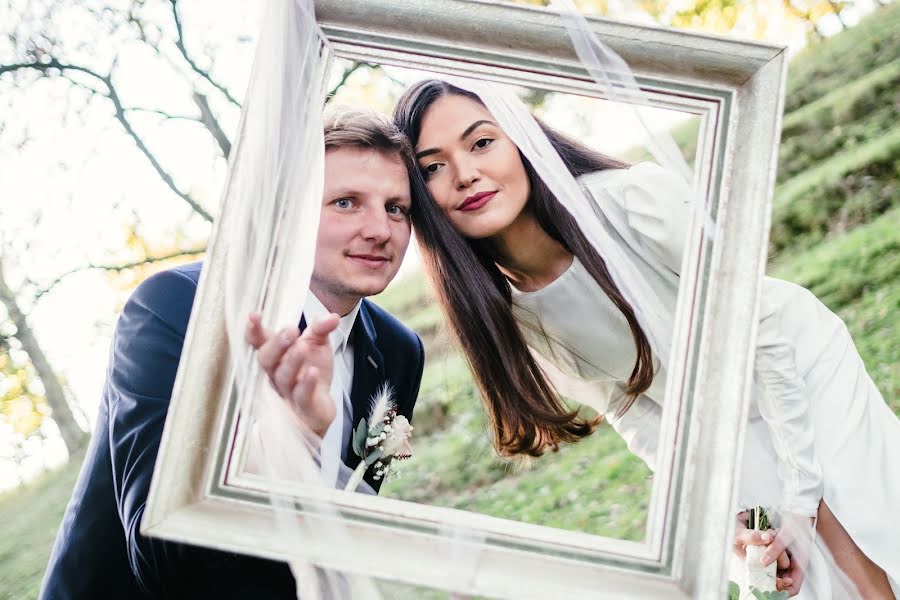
column 363, row 234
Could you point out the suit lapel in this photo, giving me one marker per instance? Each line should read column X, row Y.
column 368, row 372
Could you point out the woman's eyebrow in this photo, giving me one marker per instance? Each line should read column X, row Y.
column 464, row 135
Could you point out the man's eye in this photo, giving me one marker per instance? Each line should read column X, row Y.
column 343, row 203
column 397, row 209
column 483, row 143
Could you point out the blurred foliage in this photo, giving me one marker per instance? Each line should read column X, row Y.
column 839, row 159
column 827, row 67
column 22, row 403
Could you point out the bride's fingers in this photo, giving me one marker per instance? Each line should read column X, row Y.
column 783, row 584
column 778, row 545
column 749, row 537
column 783, row 561
column 796, row 580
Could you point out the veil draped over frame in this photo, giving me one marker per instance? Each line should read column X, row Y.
column 274, row 192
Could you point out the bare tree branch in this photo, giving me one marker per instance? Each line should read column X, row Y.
column 163, row 113
column 113, row 96
column 120, row 267
column 353, row 68
column 211, row 124
column 72, row 434
column 202, row 73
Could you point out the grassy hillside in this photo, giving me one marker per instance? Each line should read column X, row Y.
column 29, row 517
column 836, row 230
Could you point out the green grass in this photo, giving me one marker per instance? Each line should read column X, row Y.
column 852, row 187
column 822, row 67
column 30, row 516
column 845, row 103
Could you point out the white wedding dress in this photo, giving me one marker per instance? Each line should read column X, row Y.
column 818, row 427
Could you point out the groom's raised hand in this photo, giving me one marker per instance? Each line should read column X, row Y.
column 299, row 367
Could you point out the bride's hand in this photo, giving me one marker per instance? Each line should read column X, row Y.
column 795, row 536
column 744, row 537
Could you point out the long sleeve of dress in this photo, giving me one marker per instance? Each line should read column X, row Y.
column 639, row 426
column 785, row 406
column 657, row 204
column 658, row 207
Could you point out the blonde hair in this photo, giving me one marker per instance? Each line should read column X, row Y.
column 352, row 128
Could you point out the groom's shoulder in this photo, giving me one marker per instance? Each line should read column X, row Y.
column 167, row 294
column 390, row 329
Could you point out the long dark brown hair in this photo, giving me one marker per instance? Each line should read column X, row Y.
column 526, row 413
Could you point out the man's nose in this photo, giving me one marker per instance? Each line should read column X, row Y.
column 376, row 226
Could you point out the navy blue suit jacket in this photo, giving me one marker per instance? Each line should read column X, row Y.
column 99, row 551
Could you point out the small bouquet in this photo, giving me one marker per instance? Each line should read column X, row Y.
column 759, row 581
column 381, row 439
column 757, row 576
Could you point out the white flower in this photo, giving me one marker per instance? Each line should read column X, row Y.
column 397, row 443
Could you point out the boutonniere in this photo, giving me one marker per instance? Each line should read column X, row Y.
column 381, row 439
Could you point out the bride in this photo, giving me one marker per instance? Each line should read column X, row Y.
column 517, row 278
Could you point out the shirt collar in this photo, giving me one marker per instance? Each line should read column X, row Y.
column 314, row 310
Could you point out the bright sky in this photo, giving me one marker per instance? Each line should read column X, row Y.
column 71, row 193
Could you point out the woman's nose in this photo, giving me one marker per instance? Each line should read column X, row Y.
column 466, row 174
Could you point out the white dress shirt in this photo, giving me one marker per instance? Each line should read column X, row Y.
column 335, row 440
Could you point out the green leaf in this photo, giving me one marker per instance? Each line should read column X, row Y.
column 359, row 438
column 760, row 595
column 734, row 591
column 374, row 456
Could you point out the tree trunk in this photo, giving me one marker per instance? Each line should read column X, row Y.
column 72, row 434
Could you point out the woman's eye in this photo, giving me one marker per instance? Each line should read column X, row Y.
column 483, row 143
column 431, row 169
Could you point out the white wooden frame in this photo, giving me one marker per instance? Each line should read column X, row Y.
column 737, row 88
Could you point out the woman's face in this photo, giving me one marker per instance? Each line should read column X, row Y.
column 473, row 170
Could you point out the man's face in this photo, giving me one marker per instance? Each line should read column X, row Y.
column 364, row 228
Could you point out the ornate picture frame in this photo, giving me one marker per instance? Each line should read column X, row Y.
column 737, row 89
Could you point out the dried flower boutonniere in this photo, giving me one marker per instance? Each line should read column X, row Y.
column 381, row 439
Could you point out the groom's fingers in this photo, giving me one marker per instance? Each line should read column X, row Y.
column 317, row 411
column 271, row 352
column 254, row 333
column 285, row 373
column 317, row 333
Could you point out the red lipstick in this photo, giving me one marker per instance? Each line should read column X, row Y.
column 476, row 201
